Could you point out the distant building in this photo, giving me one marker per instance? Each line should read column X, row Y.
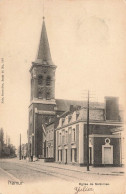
column 0, row 149
column 24, row 151
column 1, row 141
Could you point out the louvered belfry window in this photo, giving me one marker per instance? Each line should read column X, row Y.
column 48, row 81
column 48, row 95
column 40, row 79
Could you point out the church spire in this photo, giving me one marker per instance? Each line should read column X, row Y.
column 44, row 55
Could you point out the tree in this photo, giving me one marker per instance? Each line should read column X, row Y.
column 2, row 137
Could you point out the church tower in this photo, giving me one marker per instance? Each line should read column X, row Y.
column 42, row 104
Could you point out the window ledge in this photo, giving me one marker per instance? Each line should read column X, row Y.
column 73, row 142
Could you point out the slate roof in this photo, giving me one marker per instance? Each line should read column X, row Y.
column 64, row 105
column 44, row 55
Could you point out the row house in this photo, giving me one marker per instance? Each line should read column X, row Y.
column 50, row 141
column 104, row 136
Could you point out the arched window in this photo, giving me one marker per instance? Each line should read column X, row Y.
column 40, row 79
column 39, row 94
column 48, row 95
column 48, row 81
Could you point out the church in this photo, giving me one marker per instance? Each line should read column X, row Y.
column 45, row 108
column 43, row 105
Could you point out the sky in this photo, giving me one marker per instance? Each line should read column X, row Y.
column 87, row 42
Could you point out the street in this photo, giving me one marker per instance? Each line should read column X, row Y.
column 27, row 172
column 20, row 176
column 22, row 172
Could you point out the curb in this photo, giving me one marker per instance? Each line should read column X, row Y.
column 86, row 172
column 59, row 167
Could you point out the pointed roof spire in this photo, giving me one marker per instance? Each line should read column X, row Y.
column 44, row 55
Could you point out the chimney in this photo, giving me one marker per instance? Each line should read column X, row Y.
column 112, row 108
column 71, row 108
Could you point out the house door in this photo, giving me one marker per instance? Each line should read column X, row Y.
column 45, row 149
column 47, row 153
column 90, row 155
column 66, row 156
column 108, row 155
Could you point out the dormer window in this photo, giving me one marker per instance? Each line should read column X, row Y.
column 77, row 115
column 40, row 79
column 48, row 81
column 63, row 121
column 69, row 118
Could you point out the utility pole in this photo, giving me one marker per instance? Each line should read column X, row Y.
column 20, row 149
column 88, row 132
column 88, row 96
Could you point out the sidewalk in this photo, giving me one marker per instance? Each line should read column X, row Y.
column 115, row 171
